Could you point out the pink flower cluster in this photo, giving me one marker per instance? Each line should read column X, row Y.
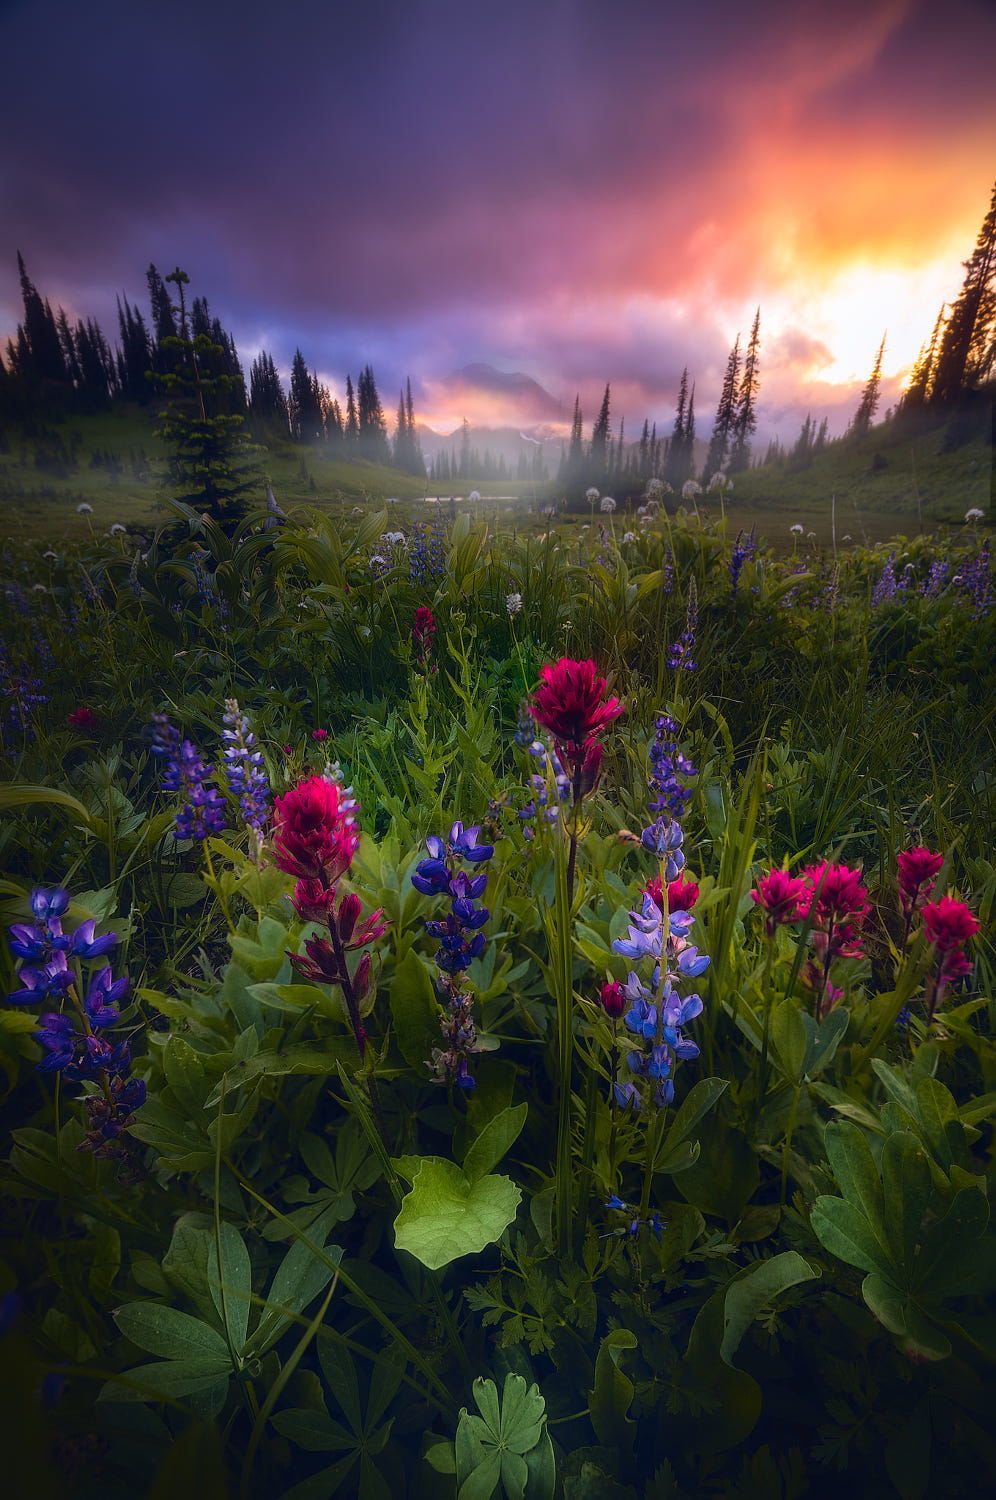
column 571, row 703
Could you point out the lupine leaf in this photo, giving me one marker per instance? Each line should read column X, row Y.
column 446, row 1216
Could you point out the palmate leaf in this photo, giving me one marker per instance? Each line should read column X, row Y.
column 508, row 1441
column 446, row 1215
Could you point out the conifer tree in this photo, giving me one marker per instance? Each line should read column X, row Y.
column 135, row 354
column 372, row 435
column 745, row 414
column 306, row 423
column 351, row 429
column 918, row 390
column 677, row 468
column 211, row 460
column 967, row 355
column 41, row 359
column 598, row 452
column 719, row 443
column 268, row 415
column 870, row 396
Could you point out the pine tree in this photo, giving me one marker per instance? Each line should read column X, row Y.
column 306, row 423
column 136, row 354
column 918, row 391
column 677, row 468
column 598, row 451
column 371, row 425
column 745, row 413
column 268, row 415
column 967, row 355
column 42, row 359
column 719, row 443
column 211, row 460
column 870, row 396
column 351, row 428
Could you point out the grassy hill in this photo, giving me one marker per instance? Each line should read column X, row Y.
column 893, row 481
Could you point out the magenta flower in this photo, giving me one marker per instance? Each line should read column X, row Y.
column 314, row 836
column 949, row 925
column 918, row 869
column 571, row 703
column 782, row 896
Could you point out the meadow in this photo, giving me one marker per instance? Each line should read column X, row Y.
column 498, row 1003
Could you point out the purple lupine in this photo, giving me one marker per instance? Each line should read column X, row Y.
column 244, row 767
column 887, row 585
column 460, row 942
column 680, row 653
column 553, row 771
column 975, row 582
column 666, row 764
column 204, row 810
column 744, row 549
column 935, row 579
column 72, row 1044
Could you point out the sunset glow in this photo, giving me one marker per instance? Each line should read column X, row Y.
column 551, row 192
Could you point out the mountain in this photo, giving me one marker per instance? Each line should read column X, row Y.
column 490, row 397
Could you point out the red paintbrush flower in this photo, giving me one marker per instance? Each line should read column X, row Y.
column 83, row 718
column 949, row 925
column 570, row 702
column 782, row 896
column 918, row 869
column 313, row 833
column 836, row 904
column 681, row 894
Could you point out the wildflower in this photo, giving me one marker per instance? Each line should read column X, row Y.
column 117, row 529
column 441, row 874
column 612, row 999
column 743, row 550
column 629, row 536
column 796, row 530
column 83, row 719
column 607, row 504
column 690, row 489
column 973, row 515
column 244, row 767
column 666, row 764
column 83, row 509
column 918, row 869
column 591, row 495
column 887, row 585
column 782, row 897
column 949, row 925
column 422, row 632
column 513, row 603
column 680, row 654
column 204, row 811
column 654, row 1222
column 319, row 734
column 314, row 835
column 570, row 702
column 474, row 495
column 681, row 894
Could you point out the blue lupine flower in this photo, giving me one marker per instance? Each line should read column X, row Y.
column 663, row 839
column 244, row 767
column 55, row 978
column 47, row 905
column 83, row 944
column 204, row 811
column 101, row 994
column 642, row 1019
column 743, row 549
column 58, row 1036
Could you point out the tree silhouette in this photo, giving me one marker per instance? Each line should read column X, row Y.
column 967, row 354
column 869, row 397
column 719, row 443
column 745, row 415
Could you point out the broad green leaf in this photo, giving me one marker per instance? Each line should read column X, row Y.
column 698, row 1102
column 414, row 1011
column 857, row 1176
column 173, row 1334
column 954, row 1258
column 823, row 1041
column 171, row 1379
column 942, row 1128
column 185, row 1075
column 231, row 1291
column 23, row 794
column 185, row 1262
column 788, row 1033
column 846, row 1233
column 748, row 1294
column 609, row 1402
column 446, row 1216
column 497, row 1137
column 300, row 1276
column 902, row 1317
column 907, row 1187
column 314, row 1430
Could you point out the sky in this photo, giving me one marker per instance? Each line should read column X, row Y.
column 577, row 192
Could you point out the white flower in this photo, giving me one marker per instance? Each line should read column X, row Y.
column 630, row 536
column 607, row 504
column 796, row 530
column 378, row 562
column 655, row 488
column 641, row 510
column 357, row 510
column 51, row 554
column 83, row 509
column 513, row 603
column 39, row 588
column 591, row 494
column 846, row 537
column 474, row 495
column 689, row 489
column 718, row 480
column 394, row 538
column 973, row 515
column 117, row 529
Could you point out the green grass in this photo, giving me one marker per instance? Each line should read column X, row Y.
column 891, row 482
